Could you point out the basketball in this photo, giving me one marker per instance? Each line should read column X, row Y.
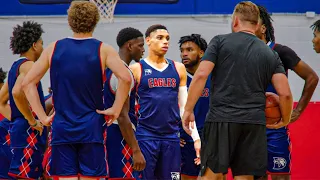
column 272, row 111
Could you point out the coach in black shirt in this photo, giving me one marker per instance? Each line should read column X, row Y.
column 235, row 129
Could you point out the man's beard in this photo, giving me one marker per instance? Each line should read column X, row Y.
column 192, row 63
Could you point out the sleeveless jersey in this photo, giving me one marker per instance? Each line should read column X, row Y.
column 200, row 109
column 77, row 84
column 157, row 98
column 21, row 133
column 274, row 133
column 4, row 131
column 4, row 123
column 110, row 94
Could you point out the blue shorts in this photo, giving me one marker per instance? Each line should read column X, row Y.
column 46, row 162
column 26, row 163
column 188, row 154
column 5, row 153
column 72, row 160
column 163, row 159
column 279, row 151
column 119, row 154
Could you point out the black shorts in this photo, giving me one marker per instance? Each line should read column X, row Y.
column 242, row 147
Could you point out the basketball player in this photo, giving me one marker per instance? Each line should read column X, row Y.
column 234, row 133
column 5, row 150
column 77, row 67
column 120, row 155
column 192, row 48
column 161, row 90
column 279, row 145
column 316, row 39
column 26, row 137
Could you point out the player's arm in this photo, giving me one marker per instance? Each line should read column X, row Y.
column 281, row 84
column 136, row 71
column 126, row 127
column 183, row 96
column 114, row 63
column 20, row 98
column 311, row 79
column 29, row 84
column 5, row 109
column 291, row 60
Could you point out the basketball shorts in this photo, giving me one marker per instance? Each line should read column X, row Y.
column 46, row 162
column 188, row 154
column 5, row 153
column 279, row 151
column 242, row 147
column 163, row 159
column 81, row 159
column 26, row 163
column 119, row 155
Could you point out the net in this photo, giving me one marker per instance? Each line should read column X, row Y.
column 106, row 9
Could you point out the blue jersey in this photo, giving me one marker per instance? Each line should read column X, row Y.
column 273, row 133
column 157, row 98
column 200, row 109
column 21, row 133
column 4, row 131
column 77, row 81
column 110, row 87
column 5, row 123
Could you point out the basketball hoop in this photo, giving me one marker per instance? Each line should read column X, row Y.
column 106, row 9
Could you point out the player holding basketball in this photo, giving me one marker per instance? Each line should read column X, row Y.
column 279, row 145
column 242, row 66
column 316, row 36
column 5, row 150
column 77, row 67
column 121, row 159
column 26, row 137
column 161, row 87
column 192, row 48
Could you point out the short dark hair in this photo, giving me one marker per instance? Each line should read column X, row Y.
column 267, row 21
column 3, row 75
column 127, row 34
column 154, row 28
column 24, row 36
column 316, row 26
column 197, row 39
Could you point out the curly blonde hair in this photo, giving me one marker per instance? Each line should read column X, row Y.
column 83, row 16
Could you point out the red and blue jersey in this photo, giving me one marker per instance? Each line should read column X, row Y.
column 77, row 79
column 110, row 88
column 157, row 98
column 21, row 133
column 200, row 109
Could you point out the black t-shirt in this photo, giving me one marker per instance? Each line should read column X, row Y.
column 288, row 57
column 244, row 66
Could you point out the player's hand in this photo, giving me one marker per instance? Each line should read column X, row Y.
column 182, row 142
column 197, row 147
column 139, row 163
column 294, row 116
column 37, row 126
column 188, row 121
column 278, row 125
column 47, row 121
column 111, row 115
